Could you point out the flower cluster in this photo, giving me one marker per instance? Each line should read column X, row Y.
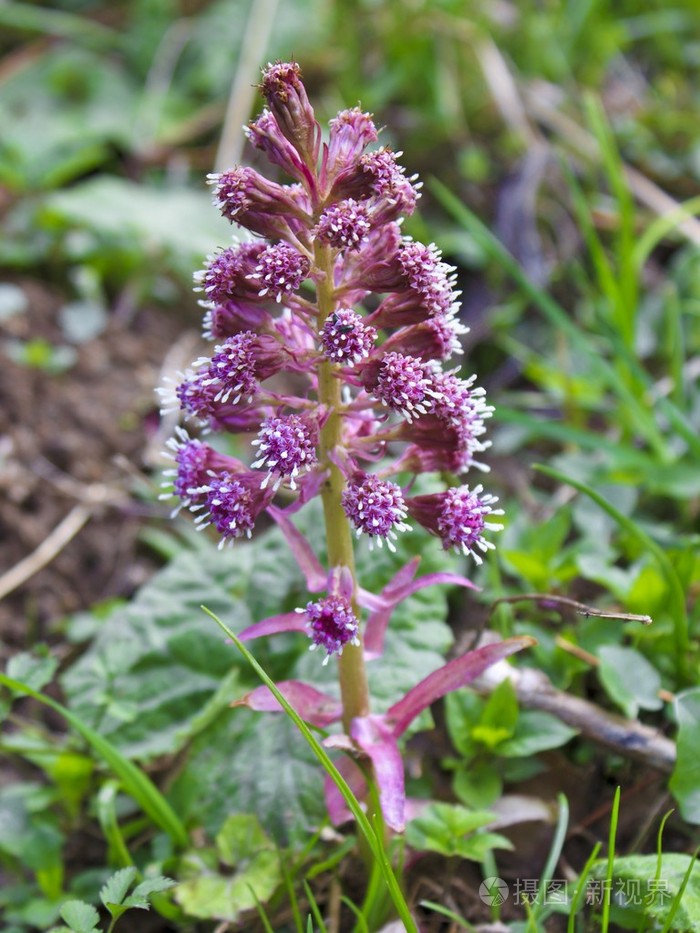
column 289, row 304
column 331, row 331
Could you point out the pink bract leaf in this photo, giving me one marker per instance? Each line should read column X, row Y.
column 308, row 563
column 375, row 737
column 335, row 802
column 457, row 673
column 394, row 594
column 274, row 625
column 377, row 602
column 315, row 707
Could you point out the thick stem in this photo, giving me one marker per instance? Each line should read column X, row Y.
column 351, row 664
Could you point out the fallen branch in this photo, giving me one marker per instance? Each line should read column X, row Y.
column 627, row 737
column 49, row 548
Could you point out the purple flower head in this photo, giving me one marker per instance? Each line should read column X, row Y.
column 457, row 400
column 240, row 363
column 459, row 517
column 239, row 191
column 196, row 396
column 332, row 624
column 227, row 272
column 280, row 271
column 195, row 463
column 286, row 97
column 346, row 338
column 378, row 175
column 192, row 461
column 351, row 131
column 376, row 508
column 232, row 503
column 287, row 446
column 344, row 225
column 401, row 383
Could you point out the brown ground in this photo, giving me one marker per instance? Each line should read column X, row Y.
column 78, row 437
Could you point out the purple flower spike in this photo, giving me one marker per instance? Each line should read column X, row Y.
column 346, row 338
column 280, row 271
column 332, row 624
column 459, row 517
column 376, row 508
column 287, row 445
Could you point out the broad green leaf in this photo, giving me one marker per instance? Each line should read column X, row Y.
column 114, row 889
column 629, row 679
column 499, row 717
column 443, row 827
column 153, row 886
column 478, row 785
column 149, row 676
column 243, row 845
column 685, row 781
column 80, row 917
column 33, row 669
column 240, row 837
column 463, row 709
column 635, row 880
column 535, row 732
column 284, row 788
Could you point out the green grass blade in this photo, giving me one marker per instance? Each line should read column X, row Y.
column 661, row 227
column 610, row 867
column 134, row 782
column 553, row 857
column 628, row 287
column 676, row 596
column 316, row 913
column 361, row 922
column 450, row 914
column 580, row 892
column 677, row 900
column 107, row 815
column 376, row 844
column 261, row 912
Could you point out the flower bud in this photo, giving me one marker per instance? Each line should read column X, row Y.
column 286, row 97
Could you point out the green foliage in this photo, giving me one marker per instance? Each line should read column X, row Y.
column 494, row 738
column 81, row 917
column 648, row 889
column 685, row 782
column 253, row 872
column 453, row 830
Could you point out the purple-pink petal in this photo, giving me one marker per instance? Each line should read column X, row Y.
column 315, row 707
column 376, row 739
column 274, row 625
column 457, row 673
